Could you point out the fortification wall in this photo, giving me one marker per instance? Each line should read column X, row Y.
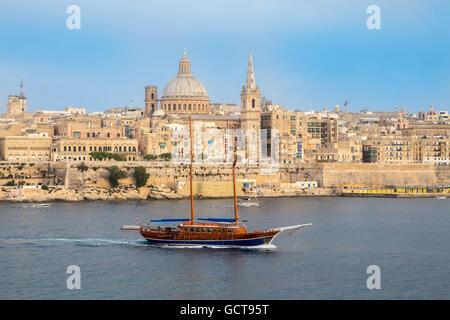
column 168, row 174
column 378, row 175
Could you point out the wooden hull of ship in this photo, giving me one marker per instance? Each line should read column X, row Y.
column 244, row 240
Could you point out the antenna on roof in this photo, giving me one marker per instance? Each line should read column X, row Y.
column 345, row 104
column 21, row 88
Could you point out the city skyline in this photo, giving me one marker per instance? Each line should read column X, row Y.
column 305, row 57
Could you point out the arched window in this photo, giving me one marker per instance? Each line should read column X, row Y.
column 189, row 106
column 179, row 106
column 253, row 103
column 184, row 106
column 153, row 96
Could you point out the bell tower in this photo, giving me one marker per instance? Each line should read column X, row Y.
column 250, row 95
column 151, row 100
column 17, row 105
column 251, row 113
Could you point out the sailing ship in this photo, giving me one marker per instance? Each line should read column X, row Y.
column 206, row 232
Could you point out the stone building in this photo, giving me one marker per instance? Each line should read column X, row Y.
column 79, row 149
column 32, row 148
column 96, row 128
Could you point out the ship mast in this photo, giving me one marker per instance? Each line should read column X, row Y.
column 234, row 182
column 190, row 168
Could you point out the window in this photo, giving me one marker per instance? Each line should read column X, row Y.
column 253, row 103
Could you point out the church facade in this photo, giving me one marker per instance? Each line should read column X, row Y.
column 185, row 96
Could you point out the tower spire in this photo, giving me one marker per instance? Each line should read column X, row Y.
column 250, row 83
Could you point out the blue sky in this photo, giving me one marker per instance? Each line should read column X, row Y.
column 307, row 54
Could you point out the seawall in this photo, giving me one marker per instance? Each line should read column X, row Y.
column 71, row 182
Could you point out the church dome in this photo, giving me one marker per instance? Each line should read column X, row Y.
column 184, row 85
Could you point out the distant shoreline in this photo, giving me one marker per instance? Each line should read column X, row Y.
column 121, row 197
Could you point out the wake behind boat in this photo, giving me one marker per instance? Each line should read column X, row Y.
column 208, row 231
column 38, row 205
column 248, row 202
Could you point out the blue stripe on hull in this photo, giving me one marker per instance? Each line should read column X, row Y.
column 241, row 242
